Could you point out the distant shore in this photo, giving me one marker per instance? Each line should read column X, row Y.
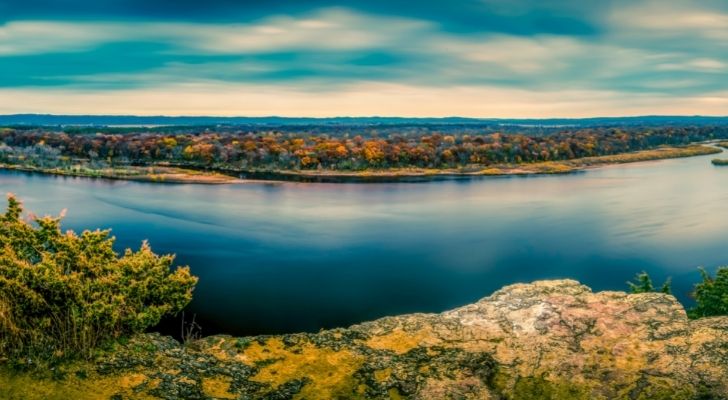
column 156, row 174
column 182, row 174
column 539, row 168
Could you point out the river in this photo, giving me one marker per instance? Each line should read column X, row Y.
column 287, row 257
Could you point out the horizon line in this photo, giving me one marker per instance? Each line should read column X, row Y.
column 361, row 117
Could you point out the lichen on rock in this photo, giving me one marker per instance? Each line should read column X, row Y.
column 544, row 340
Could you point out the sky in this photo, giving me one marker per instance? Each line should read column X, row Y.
column 321, row 58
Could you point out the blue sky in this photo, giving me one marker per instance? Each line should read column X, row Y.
column 486, row 58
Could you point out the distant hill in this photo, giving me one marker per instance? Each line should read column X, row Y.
column 132, row 120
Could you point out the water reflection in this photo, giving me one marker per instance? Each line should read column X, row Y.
column 301, row 256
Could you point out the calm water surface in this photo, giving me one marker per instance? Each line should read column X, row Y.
column 289, row 257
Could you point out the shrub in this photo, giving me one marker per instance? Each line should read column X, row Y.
column 711, row 295
column 63, row 294
column 643, row 284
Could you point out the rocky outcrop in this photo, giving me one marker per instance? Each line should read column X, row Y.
column 545, row 340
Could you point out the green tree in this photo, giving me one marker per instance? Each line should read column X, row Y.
column 643, row 284
column 63, row 294
column 711, row 295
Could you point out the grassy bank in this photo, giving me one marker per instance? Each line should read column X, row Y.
column 182, row 174
column 160, row 174
column 646, row 155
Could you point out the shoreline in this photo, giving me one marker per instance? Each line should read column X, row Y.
column 138, row 174
column 194, row 175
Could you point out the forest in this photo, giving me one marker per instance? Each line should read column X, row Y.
column 343, row 150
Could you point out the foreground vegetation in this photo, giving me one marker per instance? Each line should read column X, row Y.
column 72, row 313
column 710, row 294
column 554, row 340
column 175, row 157
column 62, row 295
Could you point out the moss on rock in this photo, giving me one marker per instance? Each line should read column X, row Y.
column 545, row 340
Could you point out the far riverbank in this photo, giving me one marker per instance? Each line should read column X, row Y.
column 165, row 173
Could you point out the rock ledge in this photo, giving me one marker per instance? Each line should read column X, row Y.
column 544, row 340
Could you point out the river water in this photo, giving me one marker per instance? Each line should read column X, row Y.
column 287, row 257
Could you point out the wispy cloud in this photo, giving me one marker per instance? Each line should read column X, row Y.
column 676, row 19
column 327, row 29
column 636, row 55
column 33, row 37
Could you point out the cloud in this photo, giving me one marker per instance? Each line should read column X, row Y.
column 673, row 19
column 640, row 53
column 699, row 64
column 325, row 47
column 329, row 29
column 32, row 37
column 691, row 29
column 519, row 17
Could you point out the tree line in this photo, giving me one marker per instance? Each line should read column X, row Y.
column 278, row 150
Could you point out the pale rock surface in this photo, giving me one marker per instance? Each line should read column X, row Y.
column 544, row 340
